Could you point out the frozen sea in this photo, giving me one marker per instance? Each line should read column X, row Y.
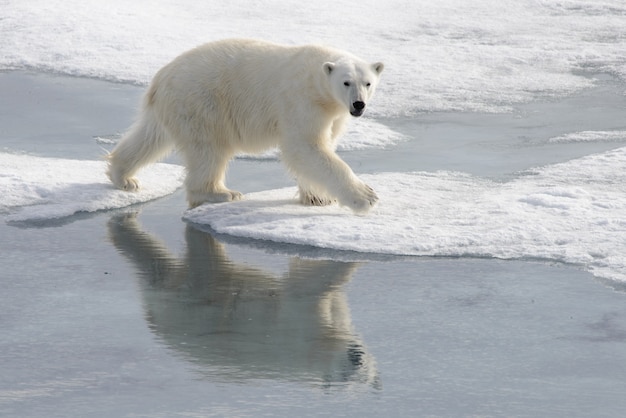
column 489, row 281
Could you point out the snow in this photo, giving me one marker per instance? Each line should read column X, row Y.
column 589, row 136
column 445, row 55
column 571, row 212
column 36, row 188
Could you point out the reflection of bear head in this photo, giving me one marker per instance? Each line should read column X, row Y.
column 237, row 322
column 353, row 82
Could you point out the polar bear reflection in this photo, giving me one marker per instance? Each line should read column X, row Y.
column 240, row 322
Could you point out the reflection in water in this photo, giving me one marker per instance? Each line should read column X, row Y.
column 240, row 322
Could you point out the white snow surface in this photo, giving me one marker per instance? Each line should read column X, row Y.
column 573, row 212
column 590, row 136
column 36, row 188
column 440, row 55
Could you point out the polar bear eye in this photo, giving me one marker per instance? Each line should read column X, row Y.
column 368, row 84
column 346, row 83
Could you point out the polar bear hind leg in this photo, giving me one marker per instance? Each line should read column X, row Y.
column 144, row 143
column 206, row 172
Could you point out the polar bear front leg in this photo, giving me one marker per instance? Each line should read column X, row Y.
column 324, row 169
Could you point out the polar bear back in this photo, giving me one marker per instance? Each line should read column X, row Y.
column 248, row 93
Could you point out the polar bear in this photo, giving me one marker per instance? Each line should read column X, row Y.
column 238, row 95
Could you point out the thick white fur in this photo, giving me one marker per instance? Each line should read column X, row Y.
column 247, row 96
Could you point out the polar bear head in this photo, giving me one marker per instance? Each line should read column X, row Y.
column 353, row 82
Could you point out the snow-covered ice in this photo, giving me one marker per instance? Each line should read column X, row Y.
column 571, row 212
column 445, row 55
column 36, row 188
column 589, row 136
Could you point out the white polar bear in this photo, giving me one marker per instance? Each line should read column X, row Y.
column 234, row 96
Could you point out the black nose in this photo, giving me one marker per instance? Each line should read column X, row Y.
column 359, row 105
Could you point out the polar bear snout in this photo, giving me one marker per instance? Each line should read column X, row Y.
column 359, row 105
column 358, row 108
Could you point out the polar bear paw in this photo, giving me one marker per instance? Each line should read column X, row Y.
column 129, row 184
column 197, row 199
column 310, row 199
column 362, row 199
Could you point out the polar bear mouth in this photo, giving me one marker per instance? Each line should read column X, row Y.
column 357, row 108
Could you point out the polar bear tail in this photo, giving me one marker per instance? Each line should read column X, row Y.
column 144, row 143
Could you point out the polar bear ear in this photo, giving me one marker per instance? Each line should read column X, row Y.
column 378, row 67
column 329, row 67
